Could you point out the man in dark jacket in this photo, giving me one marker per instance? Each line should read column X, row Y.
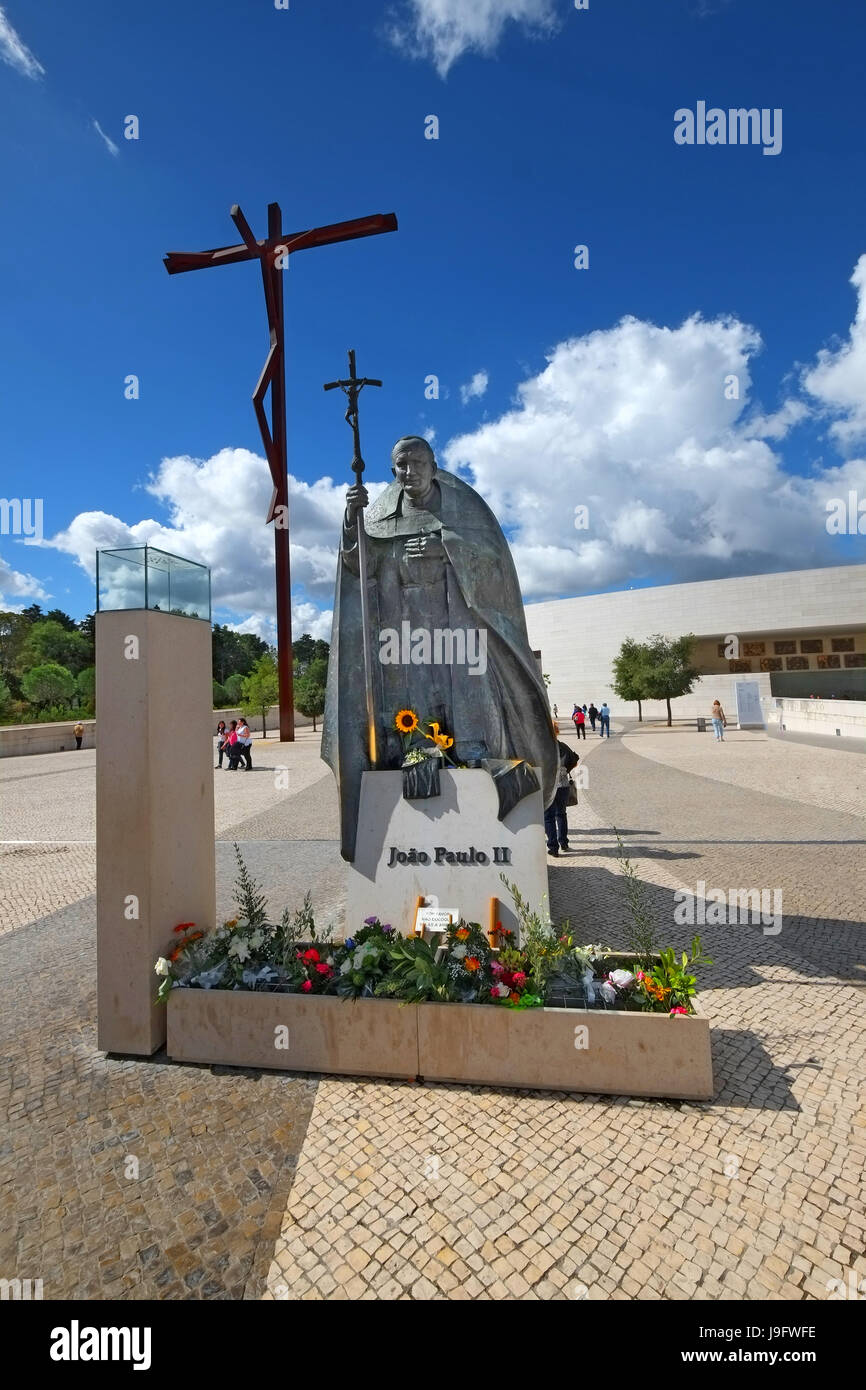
column 555, row 820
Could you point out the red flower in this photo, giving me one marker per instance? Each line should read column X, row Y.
column 311, row 954
column 307, row 986
column 184, row 926
column 519, row 978
column 323, row 969
column 679, row 1010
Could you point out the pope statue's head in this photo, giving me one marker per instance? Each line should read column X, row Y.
column 413, row 465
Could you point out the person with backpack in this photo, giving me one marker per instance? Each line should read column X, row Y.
column 579, row 722
column 245, row 739
column 232, row 746
column 717, row 714
column 593, row 715
column 555, row 817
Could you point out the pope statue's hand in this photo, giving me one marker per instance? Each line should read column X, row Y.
column 423, row 545
column 356, row 498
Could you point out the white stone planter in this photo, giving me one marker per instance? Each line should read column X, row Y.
column 293, row 1032
column 606, row 1052
column 595, row 1050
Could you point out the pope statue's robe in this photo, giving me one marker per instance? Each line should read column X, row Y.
column 468, row 583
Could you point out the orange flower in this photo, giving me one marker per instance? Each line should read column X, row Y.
column 514, row 997
column 462, row 933
column 441, row 740
column 472, row 963
column 184, row 926
column 406, row 721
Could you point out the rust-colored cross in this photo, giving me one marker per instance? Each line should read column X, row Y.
column 272, row 255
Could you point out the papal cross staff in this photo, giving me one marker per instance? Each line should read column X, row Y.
column 353, row 386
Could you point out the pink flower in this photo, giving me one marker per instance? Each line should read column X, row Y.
column 679, row 1010
column 307, row 986
column 496, row 968
column 519, row 977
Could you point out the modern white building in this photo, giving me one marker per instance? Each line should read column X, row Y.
column 800, row 633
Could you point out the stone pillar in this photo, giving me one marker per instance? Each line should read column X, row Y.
column 154, row 811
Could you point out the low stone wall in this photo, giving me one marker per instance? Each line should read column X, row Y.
column 16, row 739
column 829, row 718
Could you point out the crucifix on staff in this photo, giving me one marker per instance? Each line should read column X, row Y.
column 273, row 253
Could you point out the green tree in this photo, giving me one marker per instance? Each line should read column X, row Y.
column 49, row 684
column 262, row 687
column 48, row 642
column 85, row 684
column 234, row 652
column 234, row 689
column 668, row 669
column 629, row 673
column 219, row 696
column 5, row 696
column 57, row 615
column 310, row 691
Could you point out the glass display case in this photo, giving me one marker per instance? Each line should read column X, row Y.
column 141, row 576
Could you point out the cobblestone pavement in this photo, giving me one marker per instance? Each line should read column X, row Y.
column 415, row 1191
column 465, row 1192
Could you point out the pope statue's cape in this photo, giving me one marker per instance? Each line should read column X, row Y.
column 481, row 560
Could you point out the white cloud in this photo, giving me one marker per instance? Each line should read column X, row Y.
column 18, row 590
column 109, row 143
column 838, row 381
column 474, row 388
column 443, row 30
column 15, row 52
column 680, row 482
column 216, row 514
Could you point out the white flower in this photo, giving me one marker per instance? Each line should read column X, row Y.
column 459, row 952
column 239, row 948
column 607, row 992
column 621, row 978
column 346, row 966
column 502, row 990
column 162, row 967
column 256, row 939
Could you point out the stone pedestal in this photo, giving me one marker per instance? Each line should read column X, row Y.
column 154, row 811
column 450, row 846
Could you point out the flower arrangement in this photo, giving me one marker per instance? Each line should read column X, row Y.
column 409, row 727
column 469, row 966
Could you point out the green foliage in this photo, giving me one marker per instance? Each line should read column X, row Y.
column 306, row 650
column 249, row 895
column 48, row 684
column 5, row 696
column 629, row 674
column 234, row 653
column 674, row 979
column 218, row 696
column 641, row 926
column 415, row 974
column 310, row 695
column 233, row 688
column 545, row 951
column 85, row 684
column 261, row 687
column 50, row 643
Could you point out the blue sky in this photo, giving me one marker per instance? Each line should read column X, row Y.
column 555, row 129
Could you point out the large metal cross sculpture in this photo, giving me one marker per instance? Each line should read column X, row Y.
column 272, row 255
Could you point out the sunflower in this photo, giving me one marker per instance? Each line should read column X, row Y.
column 406, row 721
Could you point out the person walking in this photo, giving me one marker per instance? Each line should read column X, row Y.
column 221, row 740
column 555, row 817
column 720, row 723
column 245, row 739
column 232, row 747
column 593, row 715
column 604, row 718
column 78, row 731
column 555, row 712
column 580, row 723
